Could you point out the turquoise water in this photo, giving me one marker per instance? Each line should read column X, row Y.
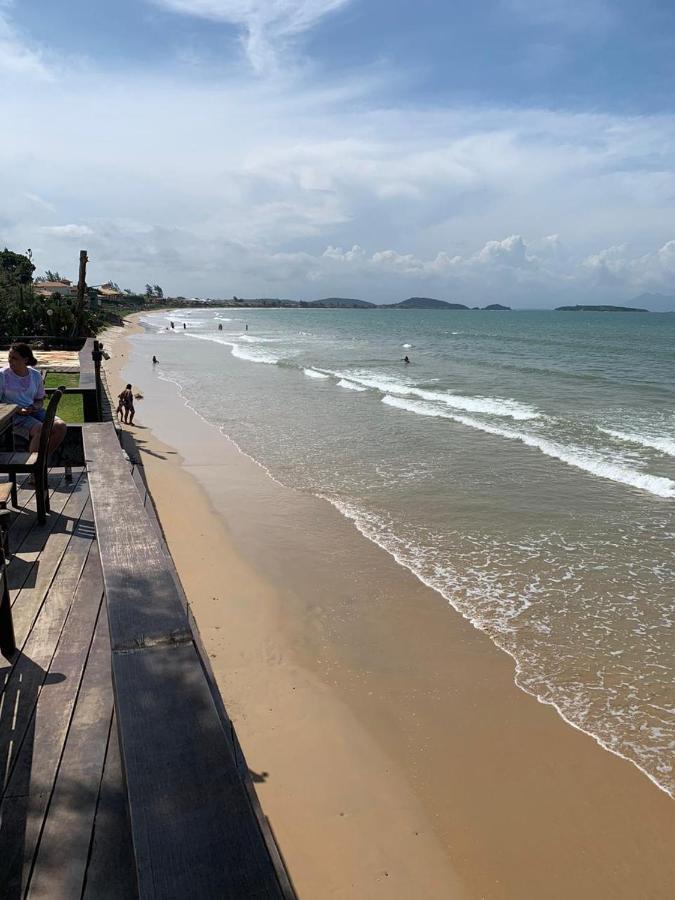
column 523, row 465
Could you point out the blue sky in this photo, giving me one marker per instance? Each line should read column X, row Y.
column 503, row 149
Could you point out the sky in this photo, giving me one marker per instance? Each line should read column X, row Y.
column 513, row 151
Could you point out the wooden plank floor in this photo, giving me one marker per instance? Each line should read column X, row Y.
column 64, row 831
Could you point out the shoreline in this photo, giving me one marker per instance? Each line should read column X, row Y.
column 402, row 702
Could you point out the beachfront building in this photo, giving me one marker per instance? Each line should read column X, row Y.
column 110, row 293
column 47, row 289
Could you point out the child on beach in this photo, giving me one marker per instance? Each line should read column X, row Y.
column 126, row 403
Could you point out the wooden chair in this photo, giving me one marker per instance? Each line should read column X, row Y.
column 35, row 463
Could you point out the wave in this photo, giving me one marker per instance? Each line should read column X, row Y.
column 253, row 354
column 312, row 373
column 350, row 385
column 664, row 445
column 578, row 457
column 494, row 406
column 259, row 356
column 252, row 339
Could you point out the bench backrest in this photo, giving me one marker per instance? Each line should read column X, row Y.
column 47, row 425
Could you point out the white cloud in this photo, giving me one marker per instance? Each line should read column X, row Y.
column 267, row 24
column 67, row 231
column 253, row 186
column 17, row 56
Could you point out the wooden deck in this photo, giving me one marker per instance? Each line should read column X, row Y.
column 121, row 773
column 64, row 830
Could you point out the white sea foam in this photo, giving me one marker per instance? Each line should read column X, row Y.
column 312, row 373
column 407, row 346
column 350, row 385
column 254, row 339
column 664, row 445
column 259, row 356
column 578, row 457
column 494, row 406
column 251, row 354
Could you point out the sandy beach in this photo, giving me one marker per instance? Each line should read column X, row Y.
column 393, row 753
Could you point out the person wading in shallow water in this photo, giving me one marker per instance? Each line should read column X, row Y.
column 126, row 399
column 154, row 360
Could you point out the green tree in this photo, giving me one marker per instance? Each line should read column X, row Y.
column 15, row 269
column 158, row 292
column 148, row 290
column 51, row 276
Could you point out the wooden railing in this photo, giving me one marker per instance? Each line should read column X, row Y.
column 196, row 832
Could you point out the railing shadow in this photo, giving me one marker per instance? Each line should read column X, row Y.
column 21, row 681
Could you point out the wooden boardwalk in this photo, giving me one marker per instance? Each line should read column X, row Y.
column 120, row 772
column 64, row 829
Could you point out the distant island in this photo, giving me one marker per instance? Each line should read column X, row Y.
column 600, row 308
column 423, row 303
column 496, row 306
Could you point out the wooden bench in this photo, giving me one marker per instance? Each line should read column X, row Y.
column 194, row 825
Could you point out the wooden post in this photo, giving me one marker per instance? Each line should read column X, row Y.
column 81, row 288
column 97, row 356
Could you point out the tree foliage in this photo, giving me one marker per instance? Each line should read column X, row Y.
column 22, row 313
column 50, row 276
column 16, row 269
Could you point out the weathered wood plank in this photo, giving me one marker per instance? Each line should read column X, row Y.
column 111, row 873
column 43, row 691
column 194, row 832
column 70, row 544
column 143, row 607
column 38, row 636
column 61, row 860
column 23, row 524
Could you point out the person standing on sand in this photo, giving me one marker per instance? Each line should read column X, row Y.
column 126, row 399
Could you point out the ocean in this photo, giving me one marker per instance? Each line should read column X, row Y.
column 522, row 465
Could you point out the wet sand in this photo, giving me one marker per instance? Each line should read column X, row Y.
column 396, row 756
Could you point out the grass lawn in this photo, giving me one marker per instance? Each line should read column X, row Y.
column 70, row 407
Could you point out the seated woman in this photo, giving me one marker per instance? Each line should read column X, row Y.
column 21, row 383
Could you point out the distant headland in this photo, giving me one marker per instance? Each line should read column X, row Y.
column 344, row 303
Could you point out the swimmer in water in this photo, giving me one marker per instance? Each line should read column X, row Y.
column 220, row 328
column 405, row 359
column 154, row 360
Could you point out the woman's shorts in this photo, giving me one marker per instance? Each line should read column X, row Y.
column 23, row 425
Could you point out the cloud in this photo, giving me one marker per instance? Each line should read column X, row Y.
column 268, row 25
column 252, row 186
column 17, row 56
column 67, row 231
